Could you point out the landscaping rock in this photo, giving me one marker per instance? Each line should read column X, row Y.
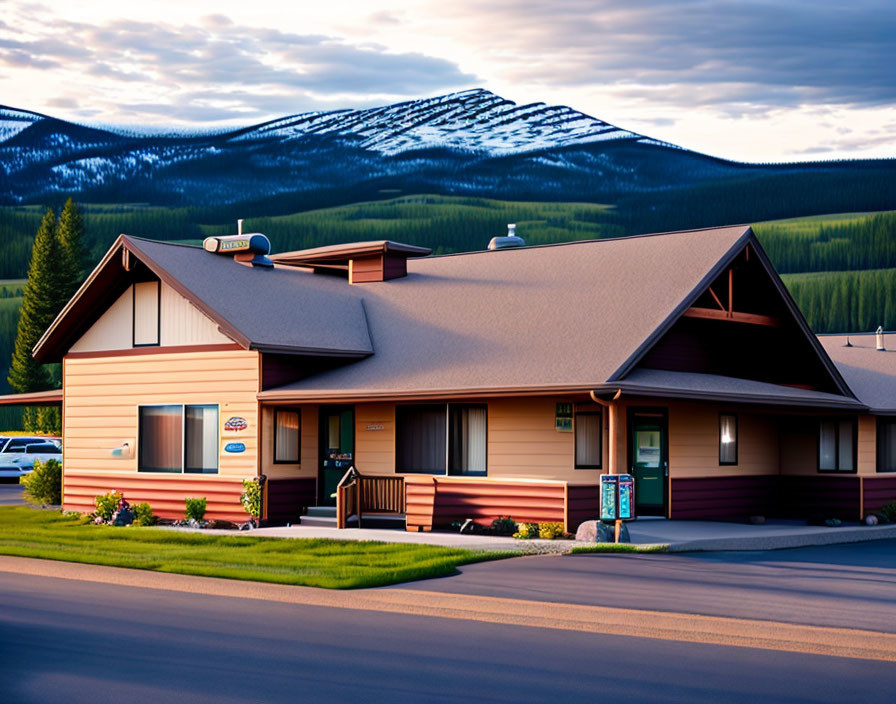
column 871, row 520
column 757, row 520
column 597, row 532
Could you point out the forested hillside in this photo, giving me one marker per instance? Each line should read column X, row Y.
column 841, row 269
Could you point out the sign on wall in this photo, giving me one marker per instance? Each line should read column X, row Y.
column 235, row 424
column 234, row 447
column 563, row 417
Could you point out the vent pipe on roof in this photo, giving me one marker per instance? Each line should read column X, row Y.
column 239, row 226
column 879, row 337
column 848, row 343
column 511, row 240
column 247, row 249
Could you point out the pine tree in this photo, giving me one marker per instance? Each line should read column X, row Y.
column 40, row 305
column 70, row 271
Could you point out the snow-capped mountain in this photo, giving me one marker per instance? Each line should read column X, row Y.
column 473, row 142
column 470, row 121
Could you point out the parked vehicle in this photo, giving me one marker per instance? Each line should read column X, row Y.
column 20, row 453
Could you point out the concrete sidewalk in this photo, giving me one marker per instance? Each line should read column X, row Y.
column 688, row 536
column 676, row 536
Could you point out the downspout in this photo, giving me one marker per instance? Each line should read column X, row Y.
column 613, row 413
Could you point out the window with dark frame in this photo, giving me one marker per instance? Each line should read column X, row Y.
column 441, row 439
column 588, row 428
column 886, row 444
column 837, row 445
column 178, row 439
column 287, row 433
column 727, row 439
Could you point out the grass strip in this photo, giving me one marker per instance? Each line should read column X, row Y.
column 617, row 547
column 333, row 564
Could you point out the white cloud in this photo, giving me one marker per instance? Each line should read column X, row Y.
column 745, row 79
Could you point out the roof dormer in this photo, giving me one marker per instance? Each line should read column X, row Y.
column 361, row 262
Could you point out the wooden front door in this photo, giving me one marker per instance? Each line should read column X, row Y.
column 337, row 450
column 649, row 459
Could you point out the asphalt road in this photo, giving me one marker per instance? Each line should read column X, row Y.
column 73, row 641
column 843, row 586
column 10, row 492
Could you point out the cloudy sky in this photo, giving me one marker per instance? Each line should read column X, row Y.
column 754, row 80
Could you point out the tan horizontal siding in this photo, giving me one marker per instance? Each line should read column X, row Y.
column 375, row 449
column 306, row 466
column 101, row 400
column 439, row 501
column 866, row 447
column 164, row 493
column 694, row 442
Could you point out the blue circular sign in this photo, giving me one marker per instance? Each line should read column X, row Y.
column 234, row 447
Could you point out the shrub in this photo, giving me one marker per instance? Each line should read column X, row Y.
column 549, row 531
column 143, row 515
column 107, row 504
column 890, row 512
column 504, row 525
column 195, row 510
column 251, row 497
column 526, row 531
column 43, row 485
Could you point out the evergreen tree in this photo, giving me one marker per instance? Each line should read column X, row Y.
column 40, row 305
column 70, row 271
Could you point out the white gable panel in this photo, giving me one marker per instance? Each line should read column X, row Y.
column 181, row 324
column 146, row 313
column 184, row 324
column 113, row 331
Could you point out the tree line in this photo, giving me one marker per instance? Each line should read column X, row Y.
column 866, row 243
column 54, row 274
column 846, row 301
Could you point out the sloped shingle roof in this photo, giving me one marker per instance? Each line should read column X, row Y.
column 549, row 316
column 870, row 373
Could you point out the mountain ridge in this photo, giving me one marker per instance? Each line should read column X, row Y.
column 471, row 142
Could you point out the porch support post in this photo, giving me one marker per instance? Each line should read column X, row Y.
column 613, row 416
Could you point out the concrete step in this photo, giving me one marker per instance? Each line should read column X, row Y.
column 319, row 521
column 322, row 511
column 322, row 519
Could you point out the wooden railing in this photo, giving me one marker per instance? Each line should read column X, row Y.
column 358, row 494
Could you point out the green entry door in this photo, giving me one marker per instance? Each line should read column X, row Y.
column 337, row 449
column 648, row 445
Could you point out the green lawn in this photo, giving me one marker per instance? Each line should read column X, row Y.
column 334, row 564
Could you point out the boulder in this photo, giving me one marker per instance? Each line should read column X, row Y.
column 597, row 532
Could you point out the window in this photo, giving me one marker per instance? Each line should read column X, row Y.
column 441, row 439
column 175, row 438
column 588, row 427
column 727, row 439
column 147, row 297
column 836, row 446
column 43, row 448
column 886, row 445
column 286, row 436
column 467, row 429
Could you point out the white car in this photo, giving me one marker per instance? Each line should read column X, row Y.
column 18, row 458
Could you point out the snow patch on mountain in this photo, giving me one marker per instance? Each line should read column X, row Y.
column 470, row 121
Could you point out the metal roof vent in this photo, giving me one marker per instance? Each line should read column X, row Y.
column 247, row 249
column 879, row 338
column 511, row 240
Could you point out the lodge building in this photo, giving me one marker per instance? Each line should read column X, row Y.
column 471, row 385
